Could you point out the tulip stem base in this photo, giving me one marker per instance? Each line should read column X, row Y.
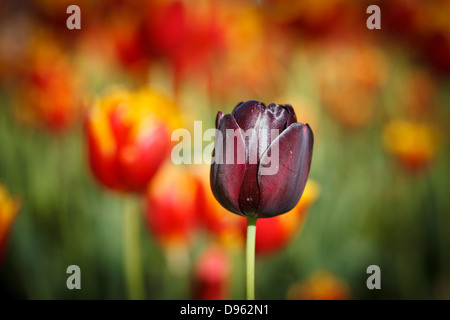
column 250, row 258
column 131, row 250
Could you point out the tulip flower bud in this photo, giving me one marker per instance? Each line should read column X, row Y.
column 261, row 159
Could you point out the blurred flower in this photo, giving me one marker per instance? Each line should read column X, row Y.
column 172, row 212
column 436, row 48
column 321, row 285
column 349, row 79
column 413, row 144
column 187, row 37
column 433, row 34
column 314, row 19
column 402, row 17
column 212, row 275
column 424, row 24
column 128, row 136
column 275, row 233
column 9, row 208
column 245, row 50
column 127, row 37
column 418, row 92
column 241, row 187
column 46, row 87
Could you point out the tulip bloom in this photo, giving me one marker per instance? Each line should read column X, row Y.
column 212, row 275
column 8, row 211
column 243, row 188
column 321, row 285
column 413, row 144
column 242, row 182
column 129, row 137
column 172, row 205
column 349, row 95
column 48, row 88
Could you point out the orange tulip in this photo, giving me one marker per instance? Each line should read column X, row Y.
column 128, row 137
column 321, row 285
column 47, row 90
column 247, row 51
column 9, row 208
column 351, row 75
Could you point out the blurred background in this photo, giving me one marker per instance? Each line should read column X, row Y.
column 83, row 182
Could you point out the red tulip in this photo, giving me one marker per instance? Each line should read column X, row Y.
column 127, row 37
column 187, row 37
column 172, row 207
column 240, row 184
column 212, row 275
column 129, row 137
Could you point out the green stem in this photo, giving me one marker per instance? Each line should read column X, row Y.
column 132, row 252
column 250, row 258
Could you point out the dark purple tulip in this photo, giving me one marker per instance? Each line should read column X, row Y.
column 242, row 187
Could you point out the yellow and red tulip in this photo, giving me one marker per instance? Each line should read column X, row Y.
column 128, row 134
column 413, row 144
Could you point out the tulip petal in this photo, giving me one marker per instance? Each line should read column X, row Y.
column 218, row 118
column 248, row 113
column 227, row 176
column 275, row 117
column 280, row 192
column 292, row 117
